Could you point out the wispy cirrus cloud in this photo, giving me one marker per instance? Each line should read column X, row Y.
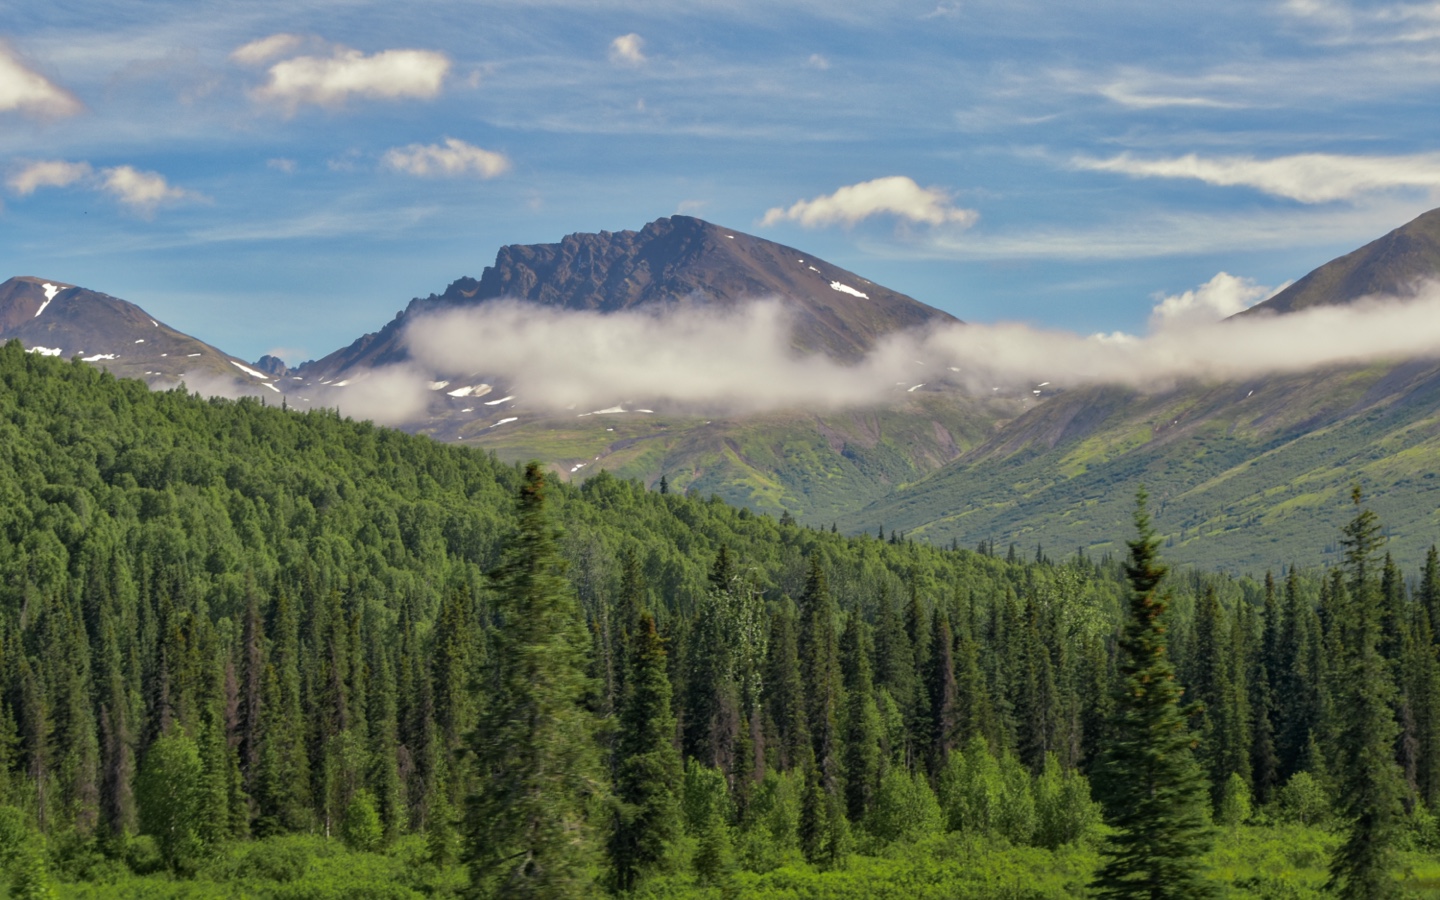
column 1304, row 177
column 895, row 195
column 26, row 91
column 140, row 191
column 1138, row 96
column 344, row 74
column 452, row 158
column 1385, row 23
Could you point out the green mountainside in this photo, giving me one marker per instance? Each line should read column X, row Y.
column 1245, row 475
column 821, row 467
column 936, row 463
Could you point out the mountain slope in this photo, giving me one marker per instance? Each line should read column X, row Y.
column 57, row 319
column 1392, row 266
column 1219, row 459
column 670, row 261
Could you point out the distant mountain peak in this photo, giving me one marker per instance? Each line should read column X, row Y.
column 61, row 319
column 672, row 260
column 1394, row 265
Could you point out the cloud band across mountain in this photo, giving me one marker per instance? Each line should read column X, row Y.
column 740, row 360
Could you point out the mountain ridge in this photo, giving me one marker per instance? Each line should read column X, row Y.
column 670, row 261
column 1394, row 265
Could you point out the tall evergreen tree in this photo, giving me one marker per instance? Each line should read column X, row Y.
column 823, row 824
column 1430, row 590
column 1154, row 793
column 863, row 760
column 647, row 766
column 534, row 748
column 1369, row 778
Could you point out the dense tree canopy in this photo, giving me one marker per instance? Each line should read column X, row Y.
column 315, row 626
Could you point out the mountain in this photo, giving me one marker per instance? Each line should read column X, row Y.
column 670, row 261
column 1395, row 265
column 1247, row 474
column 58, row 319
column 821, row 466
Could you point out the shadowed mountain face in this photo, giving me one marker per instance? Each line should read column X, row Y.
column 1392, row 266
column 59, row 319
column 668, row 262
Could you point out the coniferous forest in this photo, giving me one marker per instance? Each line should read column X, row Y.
column 252, row 652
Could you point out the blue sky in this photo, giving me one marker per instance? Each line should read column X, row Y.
column 282, row 177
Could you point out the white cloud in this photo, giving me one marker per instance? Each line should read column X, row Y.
column 281, row 164
column 267, row 48
column 47, row 173
column 1219, row 298
column 1307, row 177
column 628, row 50
column 734, row 359
column 141, row 191
column 454, row 157
column 1364, row 331
column 333, row 80
column 816, row 61
column 24, row 90
column 741, row 359
column 895, row 195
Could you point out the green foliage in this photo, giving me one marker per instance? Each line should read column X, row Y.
column 705, row 799
column 1303, row 801
column 905, row 808
column 1370, row 785
column 647, row 776
column 362, row 829
column 1064, row 811
column 304, row 600
column 1235, row 808
column 1155, row 796
column 169, row 795
column 771, row 833
column 534, row 749
column 23, row 857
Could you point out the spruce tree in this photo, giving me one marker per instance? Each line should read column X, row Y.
column 1368, row 777
column 535, row 751
column 863, row 758
column 1154, row 793
column 647, row 769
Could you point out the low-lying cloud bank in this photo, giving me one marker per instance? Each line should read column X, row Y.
column 740, row 360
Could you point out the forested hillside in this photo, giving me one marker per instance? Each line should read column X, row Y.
column 251, row 651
